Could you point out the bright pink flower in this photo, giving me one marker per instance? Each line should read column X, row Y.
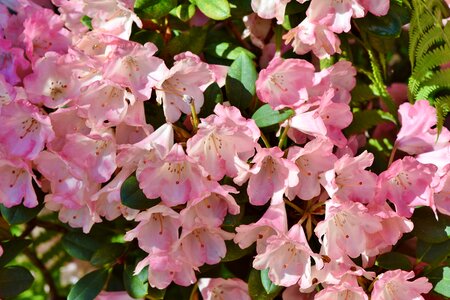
column 442, row 193
column 273, row 222
column 202, row 245
column 315, row 37
column 186, row 81
column 25, row 130
column 219, row 288
column 376, row 7
column 417, row 134
column 346, row 228
column 16, row 184
column 43, row 32
column 269, row 9
column 7, row 92
column 395, row 285
column 269, row 177
column 257, row 28
column 176, row 178
column 345, row 290
column 349, row 181
column 133, row 65
column 285, row 82
column 288, row 257
column 71, row 12
column 95, row 154
column 406, row 183
column 223, row 141
column 14, row 65
column 316, row 157
column 157, row 230
column 293, row 293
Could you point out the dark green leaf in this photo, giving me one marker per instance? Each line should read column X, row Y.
column 5, row 233
column 213, row 96
column 240, row 82
column 440, row 277
column 80, row 245
column 433, row 254
column 240, row 8
column 89, row 286
column 227, row 50
column 428, row 229
column 132, row 196
column 365, row 119
column 144, row 36
column 153, row 9
column 184, row 11
column 393, row 261
column 234, row 252
column 107, row 254
column 86, row 21
column 256, row 288
column 192, row 40
column 362, row 93
column 388, row 26
column 268, row 285
column 19, row 214
column 265, row 116
column 156, row 294
column 11, row 249
column 14, row 280
column 136, row 286
column 216, row 10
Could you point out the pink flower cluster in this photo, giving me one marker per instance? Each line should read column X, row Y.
column 73, row 124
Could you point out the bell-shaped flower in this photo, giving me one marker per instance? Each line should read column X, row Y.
column 269, row 177
column 285, row 82
column 220, row 288
column 14, row 65
column 288, row 258
column 313, row 159
column 269, row 9
column 25, row 129
column 185, row 84
column 396, row 285
column 348, row 289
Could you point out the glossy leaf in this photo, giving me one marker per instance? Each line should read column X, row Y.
column 234, row 252
column 14, row 280
column 184, row 11
column 268, row 285
column 89, row 286
column 366, row 119
column 19, row 214
column 440, row 277
column 433, row 254
column 192, row 40
column 135, row 285
column 107, row 254
column 11, row 249
column 212, row 95
column 153, row 9
column 80, row 245
column 428, row 229
column 132, row 196
column 393, row 261
column 216, row 10
column 240, row 83
column 265, row 116
column 256, row 288
column 227, row 50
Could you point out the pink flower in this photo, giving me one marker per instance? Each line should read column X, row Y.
column 406, row 183
column 288, row 257
column 285, row 82
column 25, row 130
column 346, row 228
column 223, row 141
column 187, row 79
column 7, row 92
column 345, row 290
column 315, row 37
column 157, row 230
column 395, row 285
column 269, row 177
column 176, row 178
column 268, row 9
column 132, row 65
column 219, row 288
column 315, row 158
column 274, row 221
column 442, row 193
column 416, row 134
column 14, row 65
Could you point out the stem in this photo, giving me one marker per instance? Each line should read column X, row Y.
column 265, row 140
column 391, row 157
column 294, row 206
column 193, row 295
column 283, row 136
column 194, row 118
column 278, row 40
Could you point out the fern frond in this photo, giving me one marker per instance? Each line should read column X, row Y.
column 442, row 105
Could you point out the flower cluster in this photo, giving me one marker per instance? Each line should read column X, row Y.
column 73, row 106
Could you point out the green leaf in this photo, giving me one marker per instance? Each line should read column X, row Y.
column 14, row 280
column 153, row 9
column 216, row 10
column 80, row 245
column 234, row 252
column 265, row 116
column 19, row 214
column 427, row 228
column 227, row 50
column 86, row 21
column 156, row 294
column 136, row 286
column 192, row 40
column 11, row 249
column 5, row 233
column 240, row 82
column 388, row 26
column 184, row 11
column 132, row 196
column 433, row 254
column 393, row 261
column 256, row 288
column 365, row 119
column 268, row 285
column 212, row 95
column 440, row 277
column 89, row 286
column 107, row 254
column 144, row 36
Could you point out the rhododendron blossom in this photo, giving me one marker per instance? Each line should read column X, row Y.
column 396, row 285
